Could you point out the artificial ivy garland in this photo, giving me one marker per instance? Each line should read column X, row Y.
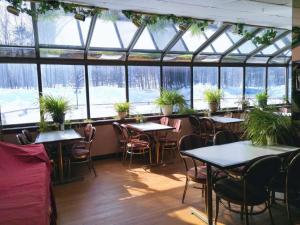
column 138, row 18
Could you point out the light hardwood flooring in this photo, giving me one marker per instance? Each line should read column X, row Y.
column 138, row 196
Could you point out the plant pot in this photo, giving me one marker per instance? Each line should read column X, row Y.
column 167, row 110
column 122, row 115
column 213, row 107
column 59, row 118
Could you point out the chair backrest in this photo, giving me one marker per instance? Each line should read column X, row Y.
column 164, row 121
column 259, row 172
column 228, row 115
column 293, row 181
column 28, row 135
column 88, row 132
column 224, row 137
column 190, row 141
column 125, row 132
column 176, row 123
column 22, row 140
column 207, row 126
column 195, row 122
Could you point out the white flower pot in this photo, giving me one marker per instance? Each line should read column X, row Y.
column 271, row 140
column 213, row 107
column 122, row 115
column 167, row 110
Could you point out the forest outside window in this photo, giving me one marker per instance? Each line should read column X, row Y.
column 276, row 85
column 255, row 82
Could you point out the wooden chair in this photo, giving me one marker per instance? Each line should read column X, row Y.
column 164, row 121
column 139, row 144
column 252, row 189
column 195, row 123
column 197, row 173
column 170, row 141
column 224, row 137
column 22, row 140
column 81, row 151
column 28, row 136
column 121, row 140
column 208, row 129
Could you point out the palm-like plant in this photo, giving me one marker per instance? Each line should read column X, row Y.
column 56, row 107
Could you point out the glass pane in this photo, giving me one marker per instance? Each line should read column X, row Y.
column 105, row 35
column 276, row 84
column 15, row 30
column 61, row 53
column 162, row 34
column 204, row 78
column 178, row 57
column 277, row 45
column 194, row 41
column 255, row 82
column 126, row 29
column 234, row 58
column 101, row 55
column 17, row 52
column 144, row 88
column 280, row 60
column 179, row 79
column 19, row 95
column 107, row 87
column 59, row 28
column 145, row 41
column 231, row 85
column 258, row 60
column 207, row 58
column 137, row 56
column 247, row 47
column 66, row 81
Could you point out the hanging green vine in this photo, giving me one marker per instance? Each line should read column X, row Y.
column 296, row 37
column 264, row 39
column 44, row 6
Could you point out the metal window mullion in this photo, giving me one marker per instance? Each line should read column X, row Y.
column 287, row 82
column 118, row 35
column 244, row 82
column 126, row 83
column 87, row 90
column 192, row 87
column 266, row 79
column 90, row 35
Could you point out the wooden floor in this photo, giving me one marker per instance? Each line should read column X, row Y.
column 138, row 196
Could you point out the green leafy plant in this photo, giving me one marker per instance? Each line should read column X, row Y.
column 264, row 127
column 56, row 107
column 122, row 107
column 262, row 99
column 170, row 98
column 213, row 96
column 187, row 111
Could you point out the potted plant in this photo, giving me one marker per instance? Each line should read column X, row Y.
column 264, row 127
column 243, row 104
column 122, row 109
column 169, row 99
column 213, row 97
column 262, row 99
column 56, row 107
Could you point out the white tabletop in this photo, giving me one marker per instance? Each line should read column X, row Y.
column 54, row 136
column 222, row 119
column 149, row 126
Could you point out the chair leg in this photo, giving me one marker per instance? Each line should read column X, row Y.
column 242, row 212
column 150, row 155
column 162, row 153
column 92, row 166
column 288, row 210
column 217, row 209
column 247, row 215
column 130, row 162
column 185, row 189
column 268, row 205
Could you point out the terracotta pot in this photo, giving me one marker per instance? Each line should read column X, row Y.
column 167, row 110
column 213, row 107
column 122, row 115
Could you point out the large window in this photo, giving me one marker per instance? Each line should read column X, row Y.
column 19, row 96
column 107, row 87
column 231, row 85
column 66, row 81
column 179, row 79
column 276, row 85
column 205, row 78
column 255, row 82
column 144, row 88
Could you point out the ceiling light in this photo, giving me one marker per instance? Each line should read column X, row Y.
column 13, row 10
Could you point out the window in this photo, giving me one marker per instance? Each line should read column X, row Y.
column 19, row 96
column 179, row 79
column 255, row 82
column 107, row 87
column 204, row 78
column 66, row 81
column 231, row 85
column 144, row 88
column 276, row 85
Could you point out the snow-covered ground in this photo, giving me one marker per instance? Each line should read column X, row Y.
column 21, row 105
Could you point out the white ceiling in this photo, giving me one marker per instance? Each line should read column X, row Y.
column 274, row 13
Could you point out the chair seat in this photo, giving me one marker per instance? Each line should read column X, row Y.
column 201, row 174
column 138, row 144
column 232, row 191
column 80, row 153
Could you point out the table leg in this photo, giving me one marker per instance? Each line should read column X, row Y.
column 60, row 163
column 209, row 195
column 157, row 149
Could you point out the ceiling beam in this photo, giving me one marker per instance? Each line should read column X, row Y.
column 239, row 43
column 218, row 32
column 90, row 35
column 135, row 38
column 173, row 42
column 257, row 50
